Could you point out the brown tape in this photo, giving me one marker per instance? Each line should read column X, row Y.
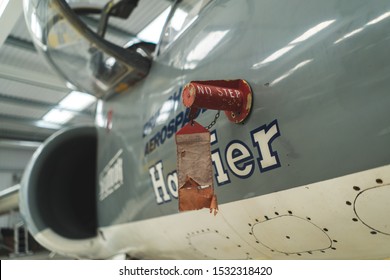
column 194, row 166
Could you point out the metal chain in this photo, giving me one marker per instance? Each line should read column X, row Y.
column 214, row 121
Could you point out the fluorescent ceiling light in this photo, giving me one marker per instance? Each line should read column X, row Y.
column 74, row 101
column 49, row 125
column 178, row 20
column 58, row 116
column 77, row 101
column 151, row 33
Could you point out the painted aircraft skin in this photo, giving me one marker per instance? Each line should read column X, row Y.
column 305, row 177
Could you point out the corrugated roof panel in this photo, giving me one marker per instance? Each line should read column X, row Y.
column 23, row 130
column 30, row 92
column 25, row 111
column 26, row 60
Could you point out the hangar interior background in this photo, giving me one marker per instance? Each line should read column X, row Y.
column 35, row 102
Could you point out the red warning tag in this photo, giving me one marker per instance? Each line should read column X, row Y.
column 194, row 168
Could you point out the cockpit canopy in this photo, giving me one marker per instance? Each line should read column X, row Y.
column 71, row 35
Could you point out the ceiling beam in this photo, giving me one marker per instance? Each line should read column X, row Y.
column 10, row 12
column 43, row 105
column 22, row 75
column 7, row 134
column 20, row 43
column 20, row 145
column 30, row 122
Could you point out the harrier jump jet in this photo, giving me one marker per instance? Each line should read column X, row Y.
column 305, row 175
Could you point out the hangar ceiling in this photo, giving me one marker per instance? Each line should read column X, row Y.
column 29, row 87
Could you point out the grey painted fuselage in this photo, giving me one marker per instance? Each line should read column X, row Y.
column 327, row 89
